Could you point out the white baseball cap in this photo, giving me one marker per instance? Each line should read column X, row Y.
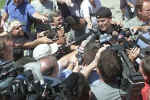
column 44, row 50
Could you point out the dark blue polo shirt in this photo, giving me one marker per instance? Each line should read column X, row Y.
column 23, row 13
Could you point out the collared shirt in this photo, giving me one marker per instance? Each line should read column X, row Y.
column 23, row 13
column 145, row 91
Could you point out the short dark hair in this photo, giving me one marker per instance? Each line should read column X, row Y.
column 146, row 65
column 79, row 86
column 109, row 65
column 104, row 12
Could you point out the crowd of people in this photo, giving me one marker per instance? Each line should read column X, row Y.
column 57, row 38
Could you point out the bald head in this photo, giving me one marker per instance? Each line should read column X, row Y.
column 146, row 10
column 146, row 5
column 49, row 66
column 143, row 11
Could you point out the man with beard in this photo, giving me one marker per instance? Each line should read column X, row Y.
column 21, row 40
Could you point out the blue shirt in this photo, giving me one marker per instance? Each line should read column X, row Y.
column 132, row 1
column 23, row 13
column 141, row 43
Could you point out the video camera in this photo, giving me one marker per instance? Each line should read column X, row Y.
column 25, row 85
column 8, row 71
column 9, row 68
column 131, row 80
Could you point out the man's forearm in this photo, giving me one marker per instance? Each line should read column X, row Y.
column 88, row 69
column 86, row 72
column 38, row 16
column 88, row 20
column 5, row 16
column 144, row 28
column 3, row 20
column 31, row 44
column 130, row 4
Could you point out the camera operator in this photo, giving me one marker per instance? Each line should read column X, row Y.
column 6, row 59
column 22, row 41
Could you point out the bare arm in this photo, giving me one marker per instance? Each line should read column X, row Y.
column 36, row 42
column 40, row 17
column 86, row 72
column 89, row 23
column 88, row 69
column 141, row 28
column 130, row 4
column 4, row 18
column 66, row 60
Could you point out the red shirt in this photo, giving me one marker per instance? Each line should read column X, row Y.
column 146, row 91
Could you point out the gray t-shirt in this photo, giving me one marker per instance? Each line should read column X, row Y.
column 103, row 91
